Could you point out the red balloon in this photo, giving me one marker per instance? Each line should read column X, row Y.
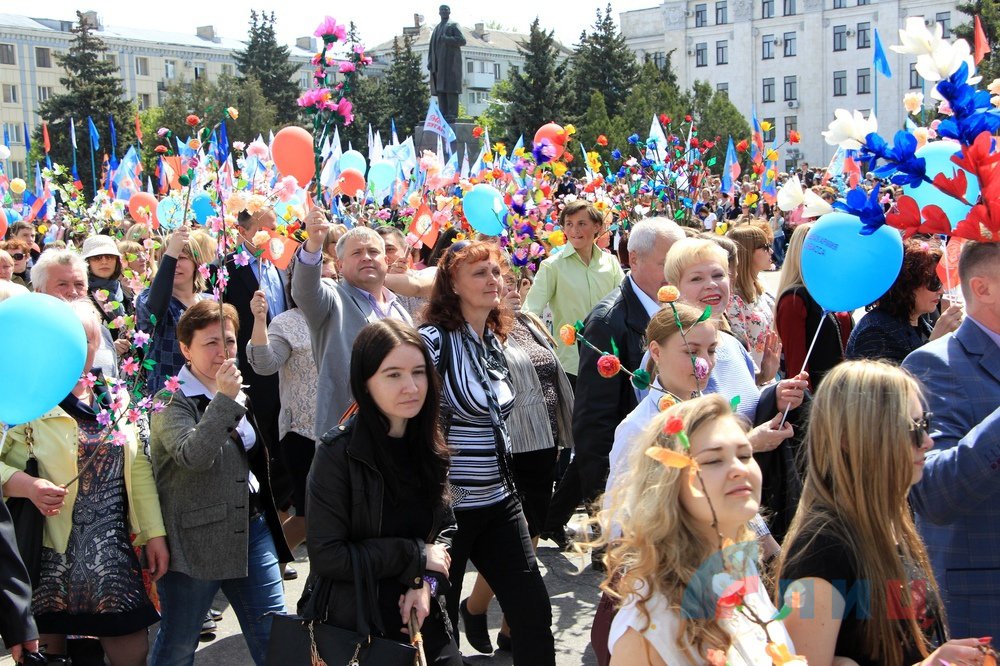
column 351, row 182
column 143, row 200
column 555, row 134
column 292, row 152
column 3, row 223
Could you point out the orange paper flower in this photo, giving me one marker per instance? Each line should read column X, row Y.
column 567, row 333
column 794, row 136
column 671, row 458
column 602, row 140
column 608, row 366
column 781, row 655
column 666, row 402
column 192, row 120
column 668, row 294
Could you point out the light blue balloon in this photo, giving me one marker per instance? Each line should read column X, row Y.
column 844, row 270
column 381, row 175
column 937, row 155
column 12, row 215
column 352, row 159
column 202, row 207
column 55, row 330
column 170, row 213
column 484, row 208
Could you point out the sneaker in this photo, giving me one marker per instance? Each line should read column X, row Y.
column 476, row 631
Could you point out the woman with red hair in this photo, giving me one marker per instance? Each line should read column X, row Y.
column 464, row 330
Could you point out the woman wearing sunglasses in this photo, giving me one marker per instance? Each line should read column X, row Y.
column 20, row 252
column 903, row 319
column 853, row 566
column 751, row 308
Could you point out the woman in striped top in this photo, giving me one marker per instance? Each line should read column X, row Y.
column 464, row 331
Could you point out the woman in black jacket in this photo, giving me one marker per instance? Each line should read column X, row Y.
column 378, row 483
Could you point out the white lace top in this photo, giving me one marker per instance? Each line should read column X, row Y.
column 289, row 353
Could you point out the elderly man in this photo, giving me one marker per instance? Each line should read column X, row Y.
column 601, row 403
column 956, row 500
column 63, row 274
column 337, row 312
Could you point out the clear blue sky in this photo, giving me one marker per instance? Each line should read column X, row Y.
column 378, row 21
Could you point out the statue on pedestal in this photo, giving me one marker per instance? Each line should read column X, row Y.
column 444, row 61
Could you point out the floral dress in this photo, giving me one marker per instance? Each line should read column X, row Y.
column 751, row 322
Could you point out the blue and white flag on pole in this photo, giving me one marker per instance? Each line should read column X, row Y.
column 436, row 123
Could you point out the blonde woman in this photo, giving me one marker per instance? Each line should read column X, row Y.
column 751, row 308
column 177, row 286
column 666, row 565
column 853, row 540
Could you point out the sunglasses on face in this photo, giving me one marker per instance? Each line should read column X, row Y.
column 920, row 429
column 18, row 256
column 770, row 250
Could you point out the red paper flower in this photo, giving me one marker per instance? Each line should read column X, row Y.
column 694, row 142
column 793, row 136
column 743, row 146
column 687, row 118
column 664, row 119
column 608, row 366
column 192, row 120
column 602, row 140
column 160, row 149
column 477, row 132
column 673, row 425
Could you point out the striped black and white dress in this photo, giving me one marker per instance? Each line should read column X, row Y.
column 475, row 471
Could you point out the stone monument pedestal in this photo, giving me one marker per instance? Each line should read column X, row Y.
column 463, row 138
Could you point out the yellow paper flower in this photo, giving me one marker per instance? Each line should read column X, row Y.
column 559, row 169
column 194, row 144
column 602, row 206
column 500, row 148
column 765, row 126
column 594, row 161
column 557, row 238
column 750, row 199
column 233, row 112
column 488, row 157
column 570, row 130
column 721, row 229
column 771, row 155
column 518, row 152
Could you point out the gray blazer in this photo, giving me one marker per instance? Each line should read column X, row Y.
column 201, row 476
column 336, row 314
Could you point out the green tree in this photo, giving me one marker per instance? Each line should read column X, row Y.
column 406, row 89
column 716, row 116
column 539, row 93
column 268, row 61
column 369, row 100
column 604, row 62
column 593, row 124
column 210, row 99
column 989, row 15
column 493, row 117
column 651, row 96
column 94, row 89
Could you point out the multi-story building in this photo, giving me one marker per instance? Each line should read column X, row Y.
column 794, row 61
column 489, row 55
column 148, row 61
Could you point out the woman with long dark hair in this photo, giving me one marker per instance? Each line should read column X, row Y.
column 379, row 483
column 465, row 328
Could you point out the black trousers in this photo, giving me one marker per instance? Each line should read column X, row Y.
column 495, row 539
column 565, row 499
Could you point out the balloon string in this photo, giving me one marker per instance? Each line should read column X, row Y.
column 805, row 362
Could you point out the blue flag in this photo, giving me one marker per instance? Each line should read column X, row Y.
column 436, row 123
column 95, row 138
column 27, row 141
column 6, row 136
column 731, row 171
column 114, row 136
column 879, row 60
column 222, row 145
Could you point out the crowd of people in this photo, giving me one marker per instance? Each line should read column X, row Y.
column 765, row 481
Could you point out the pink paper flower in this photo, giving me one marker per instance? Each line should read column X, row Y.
column 700, row 368
column 347, row 67
column 130, row 366
column 204, row 271
column 259, row 150
column 286, row 188
column 104, row 418
column 140, row 339
column 239, row 145
column 346, row 109
column 133, row 415
column 241, row 259
column 118, row 438
column 162, row 132
column 330, row 28
column 173, row 384
column 89, row 380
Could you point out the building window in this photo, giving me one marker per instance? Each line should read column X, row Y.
column 144, row 101
column 482, row 66
column 701, row 54
column 840, row 83
column 142, row 66
column 839, row 4
column 944, row 19
column 17, row 170
column 863, row 2
column 496, row 71
column 789, row 39
column 43, row 57
column 769, row 134
column 767, row 47
column 515, row 70
column 170, row 68
column 9, row 94
column 767, row 9
column 700, row 15
column 721, row 13
column 722, row 88
column 200, row 69
column 44, row 92
column 14, row 131
column 722, row 52
column 864, row 80
column 864, row 35
column 791, row 124
column 7, row 54
column 768, row 90
column 791, row 88
column 915, row 80
column 112, row 58
column 227, row 69
column 470, row 66
column 789, row 7
column 840, row 38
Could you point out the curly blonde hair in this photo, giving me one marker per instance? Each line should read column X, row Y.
column 654, row 546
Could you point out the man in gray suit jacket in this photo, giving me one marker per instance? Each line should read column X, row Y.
column 337, row 313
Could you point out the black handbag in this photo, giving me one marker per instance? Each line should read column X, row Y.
column 28, row 521
column 306, row 639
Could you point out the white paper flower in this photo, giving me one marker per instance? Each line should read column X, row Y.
column 917, row 39
column 815, row 205
column 945, row 60
column 849, row 130
column 913, row 102
column 790, row 195
column 4, row 153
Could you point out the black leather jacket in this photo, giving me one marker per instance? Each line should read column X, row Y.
column 344, row 505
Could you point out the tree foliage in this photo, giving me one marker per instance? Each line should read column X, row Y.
column 94, row 89
column 989, row 15
column 716, row 116
column 603, row 62
column 407, row 93
column 538, row 94
column 210, row 99
column 267, row 61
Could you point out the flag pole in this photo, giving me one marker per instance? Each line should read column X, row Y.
column 875, row 76
column 93, row 169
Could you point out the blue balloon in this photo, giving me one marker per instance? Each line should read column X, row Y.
column 352, row 159
column 52, row 327
column 12, row 215
column 844, row 270
column 202, row 207
column 381, row 175
column 170, row 213
column 937, row 156
column 485, row 210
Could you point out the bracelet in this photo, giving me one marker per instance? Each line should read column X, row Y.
column 432, row 582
